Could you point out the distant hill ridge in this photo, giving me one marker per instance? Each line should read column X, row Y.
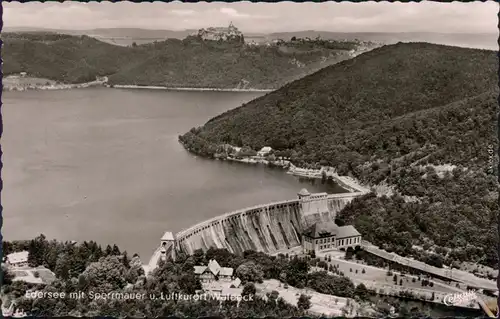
column 173, row 63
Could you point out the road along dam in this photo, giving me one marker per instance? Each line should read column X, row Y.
column 268, row 228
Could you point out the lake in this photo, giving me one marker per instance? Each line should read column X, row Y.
column 105, row 165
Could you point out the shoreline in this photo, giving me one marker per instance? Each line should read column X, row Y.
column 348, row 183
column 22, row 83
column 8, row 87
column 153, row 87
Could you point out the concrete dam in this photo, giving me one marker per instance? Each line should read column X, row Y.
column 268, row 228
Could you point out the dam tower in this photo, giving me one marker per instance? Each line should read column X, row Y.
column 314, row 208
column 167, row 246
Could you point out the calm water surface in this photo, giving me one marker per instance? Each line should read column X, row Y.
column 105, row 165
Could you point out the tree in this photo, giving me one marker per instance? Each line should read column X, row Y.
column 249, row 271
column 304, row 302
column 222, row 255
column 6, row 276
column 189, row 283
column 249, row 289
column 108, row 251
column 125, row 260
column 349, row 253
column 361, row 291
column 323, row 264
column 116, row 251
column 134, row 45
column 273, row 296
column 282, row 277
column 62, row 267
column 435, row 260
column 296, row 272
column 198, row 255
column 403, row 311
column 106, row 274
column 133, row 273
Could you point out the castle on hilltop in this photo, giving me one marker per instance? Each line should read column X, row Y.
column 221, row 33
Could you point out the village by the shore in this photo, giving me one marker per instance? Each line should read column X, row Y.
column 26, row 82
column 266, row 156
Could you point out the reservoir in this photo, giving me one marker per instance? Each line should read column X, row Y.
column 105, row 165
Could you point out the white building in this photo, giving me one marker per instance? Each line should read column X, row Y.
column 18, row 259
column 213, row 272
column 327, row 236
column 12, row 311
column 264, row 151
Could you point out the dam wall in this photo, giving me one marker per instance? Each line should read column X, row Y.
column 268, row 228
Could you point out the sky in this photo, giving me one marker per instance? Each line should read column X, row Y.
column 455, row 17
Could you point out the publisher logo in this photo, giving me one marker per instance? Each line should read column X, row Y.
column 458, row 298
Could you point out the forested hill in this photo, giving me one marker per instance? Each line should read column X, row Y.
column 191, row 62
column 63, row 58
column 418, row 117
column 324, row 117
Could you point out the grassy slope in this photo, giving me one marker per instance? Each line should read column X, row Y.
column 186, row 63
column 375, row 116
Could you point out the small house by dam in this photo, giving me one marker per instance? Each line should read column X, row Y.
column 269, row 228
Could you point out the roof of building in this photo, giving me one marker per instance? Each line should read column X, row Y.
column 28, row 275
column 214, row 266
column 199, row 269
column 18, row 257
column 225, row 271
column 213, row 286
column 347, row 231
column 168, row 236
column 304, row 192
column 236, row 283
column 327, row 229
column 318, row 230
column 265, row 149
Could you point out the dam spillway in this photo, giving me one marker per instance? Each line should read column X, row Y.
column 268, row 228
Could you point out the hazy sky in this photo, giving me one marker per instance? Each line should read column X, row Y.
column 260, row 17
